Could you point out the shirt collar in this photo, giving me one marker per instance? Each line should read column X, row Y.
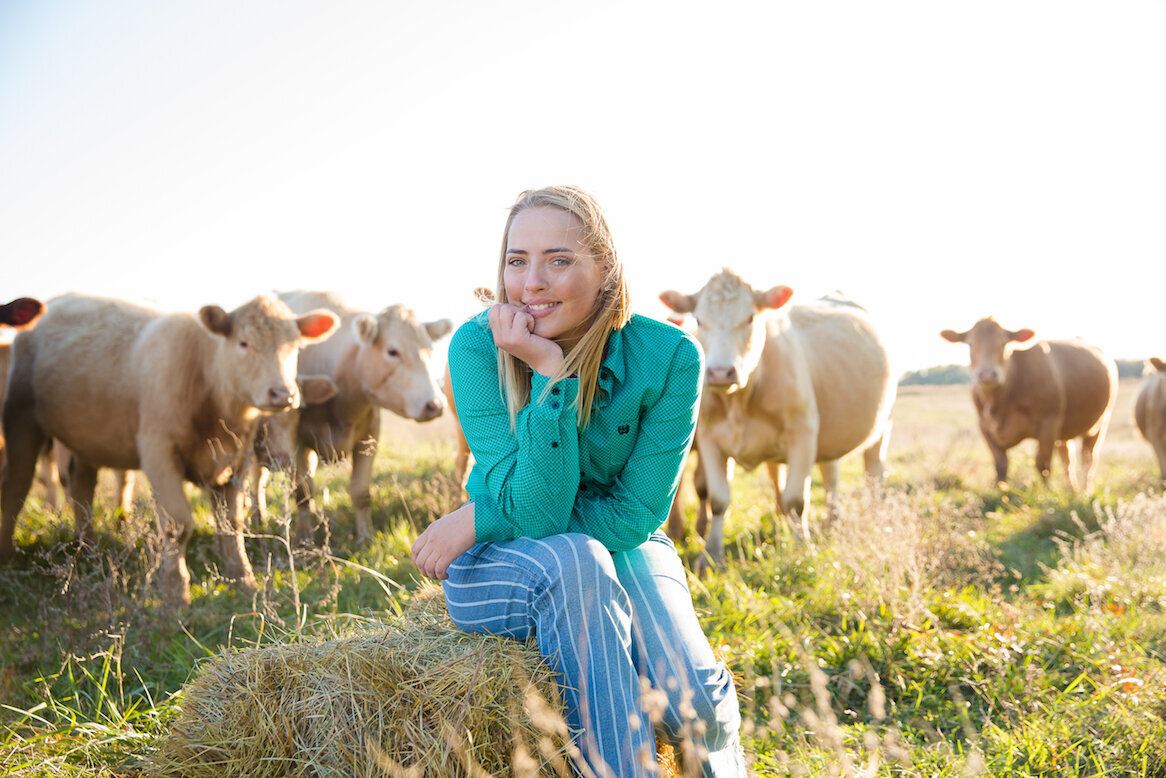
column 614, row 365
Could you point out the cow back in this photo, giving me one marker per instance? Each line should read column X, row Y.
column 1089, row 379
column 850, row 372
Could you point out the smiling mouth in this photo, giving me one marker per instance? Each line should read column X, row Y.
column 541, row 309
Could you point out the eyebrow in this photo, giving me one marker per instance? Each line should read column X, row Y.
column 560, row 250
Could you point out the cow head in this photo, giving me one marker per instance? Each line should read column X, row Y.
column 259, row 347
column 991, row 346
column 1158, row 364
column 21, row 312
column 728, row 326
column 393, row 362
column 275, row 440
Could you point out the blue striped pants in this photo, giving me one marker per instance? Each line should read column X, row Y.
column 610, row 625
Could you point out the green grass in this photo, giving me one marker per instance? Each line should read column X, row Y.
column 950, row 629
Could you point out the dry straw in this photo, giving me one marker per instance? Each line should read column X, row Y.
column 415, row 697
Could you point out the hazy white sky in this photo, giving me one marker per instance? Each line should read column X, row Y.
column 937, row 161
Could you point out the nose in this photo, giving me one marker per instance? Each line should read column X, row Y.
column 280, row 397
column 720, row 376
column 987, row 375
column 432, row 410
column 535, row 277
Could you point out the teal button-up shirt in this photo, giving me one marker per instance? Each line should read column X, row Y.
column 613, row 480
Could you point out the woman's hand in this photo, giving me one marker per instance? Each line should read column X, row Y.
column 444, row 541
column 513, row 330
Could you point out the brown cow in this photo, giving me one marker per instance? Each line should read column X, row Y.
column 1054, row 391
column 178, row 396
column 1150, row 411
column 377, row 361
column 794, row 390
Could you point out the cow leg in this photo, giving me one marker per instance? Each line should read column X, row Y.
column 716, row 472
column 257, row 478
column 24, row 441
column 1046, row 437
column 304, row 475
column 776, row 472
column 999, row 458
column 175, row 522
column 874, row 458
column 461, row 466
column 82, row 485
column 125, row 492
column 228, row 507
column 795, row 498
column 675, row 525
column 1065, row 451
column 358, row 487
column 1089, row 445
column 700, row 485
column 54, row 473
column 829, row 471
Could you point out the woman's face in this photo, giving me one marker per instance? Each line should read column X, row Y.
column 550, row 274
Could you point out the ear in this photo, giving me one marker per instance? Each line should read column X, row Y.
column 681, row 303
column 1020, row 336
column 439, row 328
column 215, row 319
column 315, row 389
column 1158, row 364
column 772, row 298
column 677, row 319
column 365, row 327
column 22, row 311
column 317, row 325
column 951, row 336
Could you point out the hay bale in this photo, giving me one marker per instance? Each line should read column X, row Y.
column 413, row 697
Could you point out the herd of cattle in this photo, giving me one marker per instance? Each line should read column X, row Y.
column 217, row 398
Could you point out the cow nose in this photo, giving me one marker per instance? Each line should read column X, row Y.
column 431, row 410
column 279, row 397
column 986, row 376
column 720, row 376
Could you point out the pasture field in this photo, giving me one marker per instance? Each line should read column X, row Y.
column 950, row 629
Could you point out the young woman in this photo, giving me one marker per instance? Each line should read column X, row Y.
column 579, row 415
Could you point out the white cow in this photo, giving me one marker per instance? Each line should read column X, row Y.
column 806, row 387
column 1150, row 411
column 177, row 396
column 377, row 361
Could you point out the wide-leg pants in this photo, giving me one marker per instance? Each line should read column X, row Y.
column 620, row 631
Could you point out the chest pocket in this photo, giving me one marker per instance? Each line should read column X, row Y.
column 605, row 447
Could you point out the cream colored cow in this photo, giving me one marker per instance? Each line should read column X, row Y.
column 1053, row 391
column 1150, row 411
column 178, row 396
column 805, row 386
column 377, row 361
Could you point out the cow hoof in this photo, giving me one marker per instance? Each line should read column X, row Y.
column 704, row 565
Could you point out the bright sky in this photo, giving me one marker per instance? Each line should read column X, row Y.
column 937, row 161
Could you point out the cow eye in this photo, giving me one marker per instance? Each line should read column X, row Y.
column 243, row 345
column 394, row 353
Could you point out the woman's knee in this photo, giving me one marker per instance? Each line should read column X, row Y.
column 707, row 712
column 573, row 559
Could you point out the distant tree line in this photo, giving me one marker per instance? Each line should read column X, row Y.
column 958, row 374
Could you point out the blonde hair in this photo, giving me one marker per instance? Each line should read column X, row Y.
column 611, row 311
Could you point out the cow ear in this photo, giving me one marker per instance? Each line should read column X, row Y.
column 951, row 336
column 1020, row 336
column 1158, row 364
column 772, row 298
column 315, row 389
column 439, row 328
column 215, row 319
column 681, row 303
column 22, row 312
column 484, row 294
column 317, row 325
column 365, row 327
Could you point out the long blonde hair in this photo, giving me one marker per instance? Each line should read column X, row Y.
column 611, row 312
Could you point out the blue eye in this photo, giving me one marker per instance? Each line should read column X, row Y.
column 515, row 261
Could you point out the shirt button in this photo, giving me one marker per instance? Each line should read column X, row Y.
column 555, row 390
column 555, row 444
column 555, row 406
